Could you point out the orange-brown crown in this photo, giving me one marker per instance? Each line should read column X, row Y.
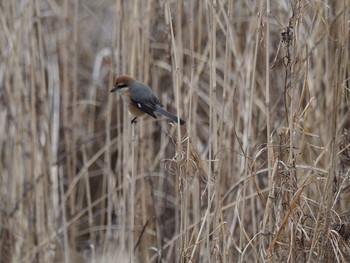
column 123, row 79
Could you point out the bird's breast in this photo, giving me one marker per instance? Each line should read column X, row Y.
column 134, row 110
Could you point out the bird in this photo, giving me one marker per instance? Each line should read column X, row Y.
column 140, row 99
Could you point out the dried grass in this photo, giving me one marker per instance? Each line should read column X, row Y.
column 260, row 172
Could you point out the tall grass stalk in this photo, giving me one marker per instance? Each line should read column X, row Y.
column 259, row 173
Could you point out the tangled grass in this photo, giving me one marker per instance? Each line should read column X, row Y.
column 260, row 172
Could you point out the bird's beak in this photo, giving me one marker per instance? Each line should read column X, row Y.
column 114, row 89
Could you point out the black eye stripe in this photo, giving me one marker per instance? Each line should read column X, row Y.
column 120, row 86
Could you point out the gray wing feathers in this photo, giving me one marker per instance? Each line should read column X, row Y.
column 142, row 97
column 141, row 92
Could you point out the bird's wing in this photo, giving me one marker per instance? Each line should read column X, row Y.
column 143, row 98
column 147, row 107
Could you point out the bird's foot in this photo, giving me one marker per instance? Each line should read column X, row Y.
column 133, row 121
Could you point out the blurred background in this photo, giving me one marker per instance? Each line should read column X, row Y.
column 259, row 173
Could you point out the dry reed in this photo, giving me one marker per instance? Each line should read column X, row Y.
column 260, row 172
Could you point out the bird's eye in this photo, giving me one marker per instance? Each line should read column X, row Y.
column 120, row 86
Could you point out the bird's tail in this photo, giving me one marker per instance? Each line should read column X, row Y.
column 169, row 115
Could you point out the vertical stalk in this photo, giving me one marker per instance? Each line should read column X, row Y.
column 132, row 194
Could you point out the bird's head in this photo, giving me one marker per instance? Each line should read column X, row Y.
column 122, row 83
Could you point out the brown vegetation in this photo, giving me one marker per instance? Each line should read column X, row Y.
column 259, row 173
